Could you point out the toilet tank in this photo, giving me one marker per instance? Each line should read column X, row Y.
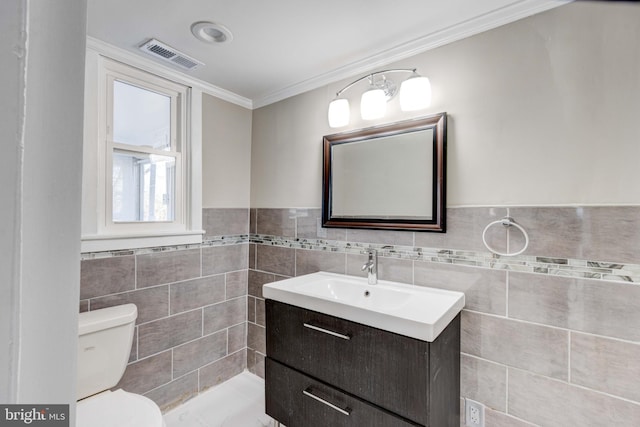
column 104, row 345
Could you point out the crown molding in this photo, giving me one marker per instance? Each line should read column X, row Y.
column 485, row 22
column 162, row 70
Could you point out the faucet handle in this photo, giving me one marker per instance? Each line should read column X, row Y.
column 371, row 261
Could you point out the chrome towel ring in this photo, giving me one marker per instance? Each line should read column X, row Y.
column 507, row 221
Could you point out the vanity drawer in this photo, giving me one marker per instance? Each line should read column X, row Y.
column 297, row 400
column 386, row 369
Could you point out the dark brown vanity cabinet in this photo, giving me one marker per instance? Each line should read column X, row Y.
column 323, row 371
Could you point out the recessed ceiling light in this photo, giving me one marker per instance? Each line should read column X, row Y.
column 210, row 32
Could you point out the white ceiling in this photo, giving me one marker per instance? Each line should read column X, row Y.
column 281, row 48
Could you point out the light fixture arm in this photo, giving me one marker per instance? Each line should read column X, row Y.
column 415, row 94
column 372, row 75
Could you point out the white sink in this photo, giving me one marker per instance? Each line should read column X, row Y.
column 415, row 311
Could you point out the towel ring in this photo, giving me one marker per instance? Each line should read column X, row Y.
column 507, row 221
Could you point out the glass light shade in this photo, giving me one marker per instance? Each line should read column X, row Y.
column 338, row 113
column 415, row 93
column 373, row 104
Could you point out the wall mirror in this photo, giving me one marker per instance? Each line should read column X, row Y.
column 386, row 177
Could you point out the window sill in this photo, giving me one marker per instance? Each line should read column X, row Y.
column 101, row 243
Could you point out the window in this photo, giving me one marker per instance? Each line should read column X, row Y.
column 143, row 148
column 142, row 151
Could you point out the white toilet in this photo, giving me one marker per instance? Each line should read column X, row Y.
column 104, row 345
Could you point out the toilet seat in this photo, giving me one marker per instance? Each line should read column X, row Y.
column 118, row 409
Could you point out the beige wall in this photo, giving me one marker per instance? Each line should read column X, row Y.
column 226, row 154
column 543, row 111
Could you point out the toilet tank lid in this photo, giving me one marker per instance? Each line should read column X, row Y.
column 105, row 318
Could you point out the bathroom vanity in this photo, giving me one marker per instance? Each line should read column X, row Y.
column 325, row 369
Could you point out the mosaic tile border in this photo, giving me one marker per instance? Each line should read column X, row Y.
column 581, row 269
column 566, row 267
column 233, row 239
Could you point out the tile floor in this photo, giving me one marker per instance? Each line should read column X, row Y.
column 238, row 402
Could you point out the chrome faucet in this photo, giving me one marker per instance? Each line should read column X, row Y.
column 371, row 266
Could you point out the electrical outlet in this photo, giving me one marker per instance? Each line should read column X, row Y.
column 473, row 413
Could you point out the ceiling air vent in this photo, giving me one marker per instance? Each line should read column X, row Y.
column 167, row 53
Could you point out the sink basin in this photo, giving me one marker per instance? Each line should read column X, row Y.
column 415, row 311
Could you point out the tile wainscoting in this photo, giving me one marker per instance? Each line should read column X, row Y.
column 191, row 329
column 549, row 338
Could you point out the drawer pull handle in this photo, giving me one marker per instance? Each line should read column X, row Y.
column 326, row 331
column 308, row 393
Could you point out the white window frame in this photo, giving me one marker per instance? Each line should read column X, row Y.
column 115, row 71
column 99, row 231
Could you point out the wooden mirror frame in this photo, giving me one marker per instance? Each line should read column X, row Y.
column 437, row 222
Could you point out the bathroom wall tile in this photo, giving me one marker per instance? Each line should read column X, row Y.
column 169, row 332
column 252, row 255
column 167, row 267
column 554, row 231
column 236, row 283
column 225, row 221
column 260, row 312
column 308, row 261
column 84, row 305
column 133, row 355
column 276, row 222
column 258, row 365
column 106, row 276
column 310, row 226
column 152, row 303
column 606, row 233
column 225, row 314
column 237, row 337
column 355, row 263
column 485, row 290
column 147, row 374
column 566, row 405
column 464, row 230
column 607, row 365
column 483, row 381
column 256, row 280
column 499, row 419
column 399, row 270
column 274, row 259
column 251, row 360
column 194, row 354
column 197, row 293
column 253, row 220
column 223, row 259
column 536, row 348
column 251, row 309
column 387, row 237
column 256, row 338
column 604, row 308
column 176, row 392
column 428, row 239
column 221, row 370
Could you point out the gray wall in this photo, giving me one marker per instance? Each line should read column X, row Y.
column 42, row 99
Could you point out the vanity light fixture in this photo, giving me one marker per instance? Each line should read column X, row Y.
column 415, row 94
